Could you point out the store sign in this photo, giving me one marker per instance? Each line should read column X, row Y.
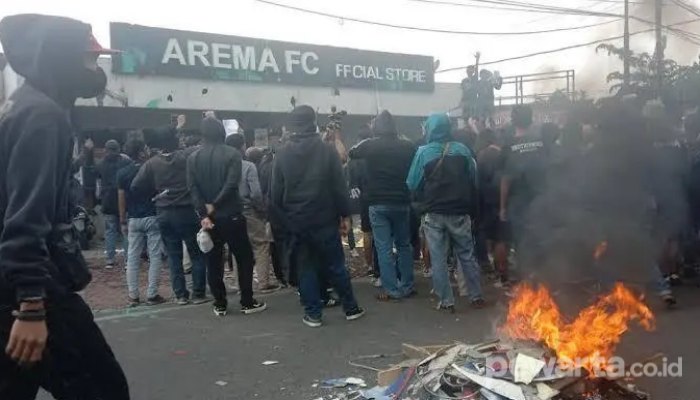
column 167, row 52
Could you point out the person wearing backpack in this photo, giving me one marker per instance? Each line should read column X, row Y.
column 443, row 177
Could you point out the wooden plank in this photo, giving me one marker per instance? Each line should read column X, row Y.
column 388, row 376
column 413, row 351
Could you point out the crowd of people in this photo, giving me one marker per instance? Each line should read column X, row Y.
column 610, row 198
column 462, row 200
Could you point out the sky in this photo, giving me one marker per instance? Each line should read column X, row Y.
column 251, row 18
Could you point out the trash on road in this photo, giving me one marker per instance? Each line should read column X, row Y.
column 270, row 362
column 343, row 382
column 221, row 383
column 492, row 370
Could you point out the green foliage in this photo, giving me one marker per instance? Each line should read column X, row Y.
column 681, row 83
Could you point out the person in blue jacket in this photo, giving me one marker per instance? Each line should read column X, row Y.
column 443, row 178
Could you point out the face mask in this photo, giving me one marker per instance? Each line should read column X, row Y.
column 91, row 83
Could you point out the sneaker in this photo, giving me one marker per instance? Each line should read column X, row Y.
column 312, row 322
column 449, row 309
column 478, row 303
column 133, row 302
column 187, row 270
column 155, row 300
column 669, row 300
column 200, row 300
column 675, row 280
column 182, row 301
column 109, row 266
column 357, row 313
column 377, row 283
column 220, row 311
column 269, row 289
column 256, row 307
column 330, row 303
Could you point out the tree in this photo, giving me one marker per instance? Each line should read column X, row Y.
column 681, row 84
column 643, row 72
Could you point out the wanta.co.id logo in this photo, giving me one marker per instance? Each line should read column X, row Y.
column 500, row 366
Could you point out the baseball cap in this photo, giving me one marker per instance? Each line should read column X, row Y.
column 95, row 47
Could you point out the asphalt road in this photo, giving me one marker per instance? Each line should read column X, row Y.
column 180, row 353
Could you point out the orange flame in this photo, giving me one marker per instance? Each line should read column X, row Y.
column 590, row 339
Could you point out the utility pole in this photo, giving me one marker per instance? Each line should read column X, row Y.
column 626, row 56
column 659, row 48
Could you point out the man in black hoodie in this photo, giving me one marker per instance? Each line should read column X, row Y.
column 213, row 176
column 388, row 160
column 166, row 174
column 41, row 266
column 107, row 171
column 310, row 198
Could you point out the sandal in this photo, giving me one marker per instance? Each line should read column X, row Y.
column 384, row 297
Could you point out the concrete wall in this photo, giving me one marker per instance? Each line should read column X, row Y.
column 175, row 93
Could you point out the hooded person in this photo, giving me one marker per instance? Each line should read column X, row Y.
column 357, row 180
column 254, row 212
column 166, row 175
column 444, row 176
column 213, row 178
column 107, row 172
column 388, row 159
column 310, row 199
column 41, row 265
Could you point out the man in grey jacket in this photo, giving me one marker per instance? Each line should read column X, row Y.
column 213, row 178
column 253, row 211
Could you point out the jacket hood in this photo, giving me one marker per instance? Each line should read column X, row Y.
column 213, row 130
column 384, row 125
column 47, row 51
column 438, row 128
column 302, row 120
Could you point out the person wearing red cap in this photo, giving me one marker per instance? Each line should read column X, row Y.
column 41, row 265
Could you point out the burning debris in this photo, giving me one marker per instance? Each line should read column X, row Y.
column 543, row 356
column 590, row 339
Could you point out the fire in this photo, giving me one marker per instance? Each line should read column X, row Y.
column 587, row 341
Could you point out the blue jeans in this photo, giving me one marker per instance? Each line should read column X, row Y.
column 319, row 254
column 391, row 227
column 440, row 231
column 177, row 225
column 112, row 234
column 143, row 231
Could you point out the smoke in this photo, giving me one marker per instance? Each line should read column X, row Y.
column 592, row 74
column 624, row 190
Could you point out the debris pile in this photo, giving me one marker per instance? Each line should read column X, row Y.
column 546, row 356
column 494, row 370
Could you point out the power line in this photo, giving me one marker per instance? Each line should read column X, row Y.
column 688, row 7
column 522, row 7
column 610, row 7
column 564, row 48
column 414, row 28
